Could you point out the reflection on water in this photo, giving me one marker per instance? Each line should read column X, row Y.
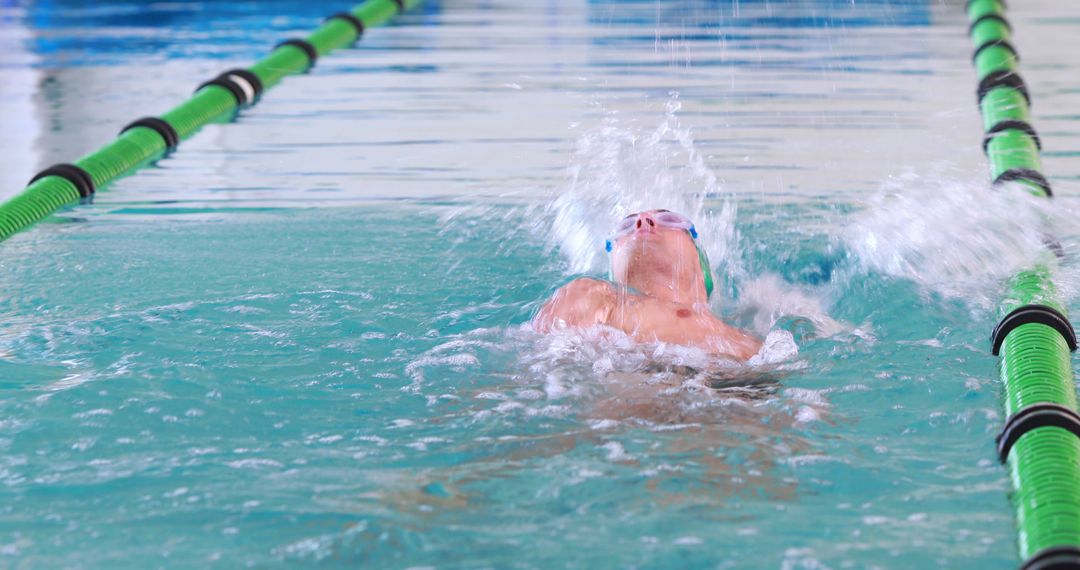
column 300, row 338
column 782, row 98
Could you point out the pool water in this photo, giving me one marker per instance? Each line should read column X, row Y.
column 302, row 338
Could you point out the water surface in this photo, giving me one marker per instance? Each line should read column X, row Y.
column 298, row 340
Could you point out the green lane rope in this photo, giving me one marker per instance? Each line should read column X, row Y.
column 148, row 139
column 1041, row 438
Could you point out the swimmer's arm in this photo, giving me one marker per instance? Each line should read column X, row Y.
column 578, row 304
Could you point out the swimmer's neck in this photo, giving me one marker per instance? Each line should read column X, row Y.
column 667, row 288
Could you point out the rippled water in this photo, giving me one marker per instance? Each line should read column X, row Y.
column 299, row 339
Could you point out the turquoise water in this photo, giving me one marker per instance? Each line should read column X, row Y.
column 299, row 340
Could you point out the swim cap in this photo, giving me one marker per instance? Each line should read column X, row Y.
column 704, row 259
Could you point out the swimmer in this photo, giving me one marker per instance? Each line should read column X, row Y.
column 660, row 293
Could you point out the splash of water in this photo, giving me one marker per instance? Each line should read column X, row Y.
column 956, row 238
column 618, row 169
column 766, row 299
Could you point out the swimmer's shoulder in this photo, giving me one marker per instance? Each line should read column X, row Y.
column 588, row 287
column 582, row 302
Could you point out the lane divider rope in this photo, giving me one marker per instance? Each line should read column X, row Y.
column 351, row 20
column 997, row 42
column 1031, row 417
column 149, row 138
column 1056, row 558
column 1003, row 78
column 162, row 128
column 1034, row 340
column 1041, row 314
column 304, row 46
column 1002, row 126
column 79, row 178
column 1026, row 175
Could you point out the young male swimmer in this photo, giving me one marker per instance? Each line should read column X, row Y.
column 662, row 283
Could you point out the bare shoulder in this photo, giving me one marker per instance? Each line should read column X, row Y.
column 587, row 287
column 580, row 303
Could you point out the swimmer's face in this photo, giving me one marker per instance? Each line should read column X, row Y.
column 652, row 247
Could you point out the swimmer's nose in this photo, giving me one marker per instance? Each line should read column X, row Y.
column 645, row 220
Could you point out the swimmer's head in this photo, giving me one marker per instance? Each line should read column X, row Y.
column 658, row 248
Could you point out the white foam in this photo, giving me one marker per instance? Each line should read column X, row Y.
column 768, row 298
column 811, row 459
column 548, row 411
column 956, row 238
column 778, row 346
column 616, row 452
column 508, row 406
column 806, row 414
column 804, row 395
column 253, row 463
column 415, row 369
column 92, row 413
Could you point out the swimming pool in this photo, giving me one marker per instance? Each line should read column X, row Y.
column 298, row 340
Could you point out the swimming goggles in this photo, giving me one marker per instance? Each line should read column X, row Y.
column 666, row 219
column 663, row 218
